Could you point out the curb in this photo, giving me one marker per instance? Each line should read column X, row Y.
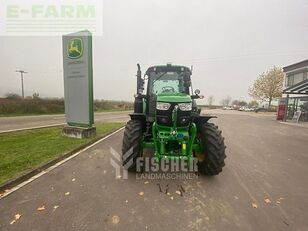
column 8, row 185
column 32, row 128
column 294, row 124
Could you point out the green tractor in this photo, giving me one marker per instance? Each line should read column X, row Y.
column 167, row 120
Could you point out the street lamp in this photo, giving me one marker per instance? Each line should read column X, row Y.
column 22, row 81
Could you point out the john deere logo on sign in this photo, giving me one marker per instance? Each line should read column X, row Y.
column 75, row 48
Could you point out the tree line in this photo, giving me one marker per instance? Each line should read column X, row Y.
column 14, row 104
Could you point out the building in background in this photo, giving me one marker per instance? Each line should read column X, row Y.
column 295, row 94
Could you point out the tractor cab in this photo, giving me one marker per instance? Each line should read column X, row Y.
column 167, row 84
column 168, row 79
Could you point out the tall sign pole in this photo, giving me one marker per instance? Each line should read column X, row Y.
column 22, row 82
column 78, row 84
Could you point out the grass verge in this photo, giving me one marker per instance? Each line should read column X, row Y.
column 24, row 150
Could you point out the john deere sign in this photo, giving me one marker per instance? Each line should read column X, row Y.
column 75, row 48
column 78, row 79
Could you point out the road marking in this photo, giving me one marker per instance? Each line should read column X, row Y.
column 57, row 165
column 56, row 125
column 23, row 129
column 60, row 124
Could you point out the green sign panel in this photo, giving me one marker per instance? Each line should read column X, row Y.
column 78, row 79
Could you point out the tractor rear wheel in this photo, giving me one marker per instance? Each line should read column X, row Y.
column 213, row 158
column 131, row 149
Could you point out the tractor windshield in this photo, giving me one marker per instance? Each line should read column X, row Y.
column 166, row 82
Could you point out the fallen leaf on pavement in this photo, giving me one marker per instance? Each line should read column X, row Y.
column 55, row 207
column 67, row 193
column 267, row 201
column 141, row 193
column 4, row 192
column 41, row 208
column 12, row 222
column 17, row 216
column 279, row 200
column 254, row 205
column 115, row 219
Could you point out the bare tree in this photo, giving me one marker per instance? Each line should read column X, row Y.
column 36, row 96
column 210, row 100
column 12, row 96
column 235, row 102
column 242, row 103
column 253, row 103
column 226, row 101
column 268, row 86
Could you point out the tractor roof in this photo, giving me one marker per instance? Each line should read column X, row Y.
column 168, row 67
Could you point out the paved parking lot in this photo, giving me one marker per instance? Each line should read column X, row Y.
column 266, row 167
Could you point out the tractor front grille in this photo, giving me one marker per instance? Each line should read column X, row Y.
column 164, row 117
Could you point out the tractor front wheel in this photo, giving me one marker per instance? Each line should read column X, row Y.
column 212, row 159
column 131, row 149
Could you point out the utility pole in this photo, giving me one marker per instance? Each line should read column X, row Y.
column 22, row 81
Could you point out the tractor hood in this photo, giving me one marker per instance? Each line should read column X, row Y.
column 174, row 98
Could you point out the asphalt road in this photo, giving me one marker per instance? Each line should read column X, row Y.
column 265, row 160
column 24, row 122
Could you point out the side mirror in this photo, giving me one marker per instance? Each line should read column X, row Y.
column 196, row 95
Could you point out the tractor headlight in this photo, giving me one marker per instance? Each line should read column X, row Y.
column 185, row 106
column 162, row 106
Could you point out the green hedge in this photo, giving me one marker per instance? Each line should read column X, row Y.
column 38, row 106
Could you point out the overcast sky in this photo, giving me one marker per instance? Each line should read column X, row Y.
column 229, row 43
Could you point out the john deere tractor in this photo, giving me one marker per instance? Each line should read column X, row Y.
column 166, row 119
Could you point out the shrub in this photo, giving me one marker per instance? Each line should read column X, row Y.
column 14, row 105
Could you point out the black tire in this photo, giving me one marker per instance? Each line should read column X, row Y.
column 214, row 150
column 131, row 140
